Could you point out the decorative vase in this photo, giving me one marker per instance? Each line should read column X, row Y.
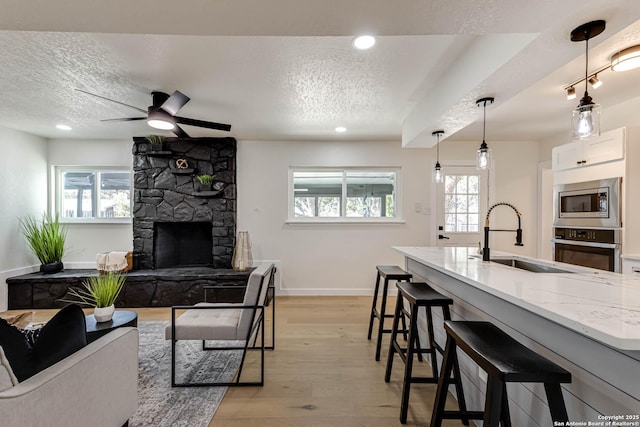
column 52, row 267
column 157, row 146
column 242, row 259
column 104, row 314
column 200, row 187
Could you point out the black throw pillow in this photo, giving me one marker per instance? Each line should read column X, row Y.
column 62, row 336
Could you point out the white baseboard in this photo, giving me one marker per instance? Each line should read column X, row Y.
column 323, row 292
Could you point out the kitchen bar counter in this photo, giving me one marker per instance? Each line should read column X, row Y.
column 604, row 306
column 585, row 320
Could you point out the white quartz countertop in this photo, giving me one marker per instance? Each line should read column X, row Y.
column 601, row 305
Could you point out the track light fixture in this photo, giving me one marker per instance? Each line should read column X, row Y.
column 438, row 177
column 483, row 155
column 595, row 82
column 585, row 119
column 571, row 92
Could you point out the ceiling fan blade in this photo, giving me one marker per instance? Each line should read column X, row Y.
column 202, row 123
column 124, row 119
column 175, row 102
column 112, row 100
column 180, row 133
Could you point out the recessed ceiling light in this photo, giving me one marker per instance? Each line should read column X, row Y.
column 63, row 127
column 364, row 42
column 341, row 129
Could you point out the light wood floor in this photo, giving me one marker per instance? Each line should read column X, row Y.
column 322, row 372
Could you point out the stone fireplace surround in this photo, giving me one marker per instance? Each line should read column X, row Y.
column 165, row 195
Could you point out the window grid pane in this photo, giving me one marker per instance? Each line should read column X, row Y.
column 461, row 203
column 95, row 193
column 355, row 193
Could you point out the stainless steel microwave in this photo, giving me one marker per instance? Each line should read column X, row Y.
column 588, row 204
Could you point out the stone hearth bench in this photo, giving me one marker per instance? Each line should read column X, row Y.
column 143, row 288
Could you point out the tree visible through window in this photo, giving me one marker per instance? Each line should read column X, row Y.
column 461, row 203
column 353, row 193
column 93, row 193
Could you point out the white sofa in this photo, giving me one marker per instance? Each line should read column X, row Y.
column 96, row 386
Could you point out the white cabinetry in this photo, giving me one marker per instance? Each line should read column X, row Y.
column 605, row 148
column 631, row 265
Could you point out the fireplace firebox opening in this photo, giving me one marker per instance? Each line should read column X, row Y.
column 182, row 244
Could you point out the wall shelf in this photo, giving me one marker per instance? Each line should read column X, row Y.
column 208, row 194
column 190, row 171
column 159, row 153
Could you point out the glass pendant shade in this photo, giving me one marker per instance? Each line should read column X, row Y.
column 483, row 157
column 438, row 177
column 585, row 121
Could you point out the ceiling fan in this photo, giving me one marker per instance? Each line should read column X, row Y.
column 162, row 113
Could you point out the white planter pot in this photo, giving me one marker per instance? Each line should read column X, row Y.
column 104, row 314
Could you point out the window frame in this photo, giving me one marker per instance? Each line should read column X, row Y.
column 343, row 218
column 58, row 192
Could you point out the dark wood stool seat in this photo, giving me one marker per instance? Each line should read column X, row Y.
column 388, row 272
column 505, row 360
column 418, row 295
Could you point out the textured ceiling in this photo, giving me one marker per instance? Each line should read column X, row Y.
column 285, row 69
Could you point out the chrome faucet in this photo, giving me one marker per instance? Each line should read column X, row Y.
column 485, row 250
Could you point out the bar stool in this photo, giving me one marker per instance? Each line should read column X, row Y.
column 505, row 360
column 419, row 295
column 388, row 272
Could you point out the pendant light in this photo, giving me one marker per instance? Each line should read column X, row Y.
column 585, row 119
column 437, row 172
column 483, row 155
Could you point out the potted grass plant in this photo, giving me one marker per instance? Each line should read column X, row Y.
column 205, row 182
column 46, row 237
column 100, row 292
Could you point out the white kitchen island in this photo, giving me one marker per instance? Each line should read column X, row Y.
column 585, row 320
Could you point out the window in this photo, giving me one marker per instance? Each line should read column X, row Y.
column 334, row 194
column 93, row 194
column 461, row 203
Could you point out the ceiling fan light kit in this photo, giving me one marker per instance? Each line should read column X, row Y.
column 160, row 120
column 585, row 119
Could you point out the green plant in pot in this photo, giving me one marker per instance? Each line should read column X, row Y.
column 156, row 142
column 100, row 292
column 205, row 182
column 46, row 237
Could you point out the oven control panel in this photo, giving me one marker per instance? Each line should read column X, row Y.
column 587, row 234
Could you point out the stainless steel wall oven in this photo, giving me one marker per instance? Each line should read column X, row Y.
column 595, row 248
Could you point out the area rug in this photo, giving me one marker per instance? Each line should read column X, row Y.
column 161, row 405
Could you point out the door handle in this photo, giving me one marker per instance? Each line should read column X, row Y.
column 440, row 236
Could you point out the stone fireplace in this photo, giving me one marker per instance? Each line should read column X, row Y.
column 182, row 238
column 174, row 224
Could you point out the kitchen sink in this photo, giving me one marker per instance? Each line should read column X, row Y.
column 529, row 266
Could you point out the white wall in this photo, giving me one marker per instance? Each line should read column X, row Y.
column 84, row 241
column 326, row 258
column 23, row 174
column 341, row 258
